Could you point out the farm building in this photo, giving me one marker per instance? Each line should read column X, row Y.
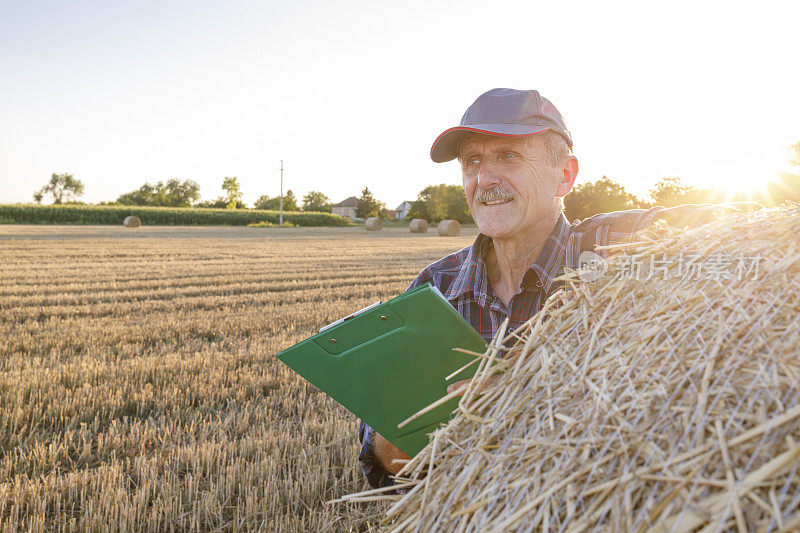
column 401, row 211
column 346, row 208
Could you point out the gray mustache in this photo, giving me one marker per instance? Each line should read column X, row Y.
column 492, row 195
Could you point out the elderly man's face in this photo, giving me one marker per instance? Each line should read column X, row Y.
column 508, row 182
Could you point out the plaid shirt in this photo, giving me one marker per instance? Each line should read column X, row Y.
column 462, row 279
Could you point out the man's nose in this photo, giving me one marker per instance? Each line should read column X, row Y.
column 488, row 175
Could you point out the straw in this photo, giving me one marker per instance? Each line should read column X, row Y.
column 634, row 404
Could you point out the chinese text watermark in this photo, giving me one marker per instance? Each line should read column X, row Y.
column 643, row 267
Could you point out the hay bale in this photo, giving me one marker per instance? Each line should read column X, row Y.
column 418, row 225
column 373, row 224
column 132, row 222
column 449, row 228
column 663, row 404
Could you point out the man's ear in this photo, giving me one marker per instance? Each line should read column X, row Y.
column 570, row 172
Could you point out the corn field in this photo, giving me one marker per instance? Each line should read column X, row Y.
column 166, row 216
column 138, row 385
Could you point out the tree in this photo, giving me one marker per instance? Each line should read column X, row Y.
column 669, row 192
column 266, row 203
column 601, row 196
column 316, row 201
column 368, row 206
column 233, row 192
column 61, row 187
column 440, row 202
column 174, row 193
column 417, row 210
column 290, row 202
column 274, row 204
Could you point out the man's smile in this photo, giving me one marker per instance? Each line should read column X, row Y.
column 497, row 202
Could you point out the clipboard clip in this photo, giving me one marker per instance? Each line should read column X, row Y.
column 348, row 317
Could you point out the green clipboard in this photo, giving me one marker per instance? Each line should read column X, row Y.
column 389, row 361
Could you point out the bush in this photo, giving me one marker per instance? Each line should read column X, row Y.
column 267, row 224
column 158, row 216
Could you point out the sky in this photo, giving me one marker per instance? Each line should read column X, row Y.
column 352, row 94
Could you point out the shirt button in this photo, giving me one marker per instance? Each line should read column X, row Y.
column 539, row 284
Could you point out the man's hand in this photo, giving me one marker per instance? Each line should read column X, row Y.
column 386, row 452
column 389, row 455
column 461, row 386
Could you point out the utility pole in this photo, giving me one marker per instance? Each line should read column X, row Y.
column 280, row 217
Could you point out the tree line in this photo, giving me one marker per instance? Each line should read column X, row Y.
column 435, row 202
column 64, row 188
column 606, row 195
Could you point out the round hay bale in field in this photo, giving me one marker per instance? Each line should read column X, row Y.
column 373, row 224
column 132, row 222
column 418, row 225
column 449, row 228
column 661, row 400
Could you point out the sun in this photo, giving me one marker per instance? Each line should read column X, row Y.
column 744, row 189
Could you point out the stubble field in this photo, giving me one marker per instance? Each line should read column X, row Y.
column 138, row 385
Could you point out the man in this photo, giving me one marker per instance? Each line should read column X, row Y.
column 517, row 165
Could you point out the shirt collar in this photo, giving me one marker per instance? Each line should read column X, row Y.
column 473, row 275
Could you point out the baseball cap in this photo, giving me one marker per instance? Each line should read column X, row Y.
column 505, row 113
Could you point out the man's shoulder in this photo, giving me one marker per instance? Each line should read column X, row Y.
column 444, row 269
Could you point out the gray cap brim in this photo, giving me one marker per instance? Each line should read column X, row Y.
column 445, row 147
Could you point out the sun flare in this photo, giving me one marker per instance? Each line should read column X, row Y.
column 743, row 189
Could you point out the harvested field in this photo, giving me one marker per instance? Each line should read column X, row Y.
column 138, row 388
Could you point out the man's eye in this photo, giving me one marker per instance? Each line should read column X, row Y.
column 509, row 155
column 472, row 161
